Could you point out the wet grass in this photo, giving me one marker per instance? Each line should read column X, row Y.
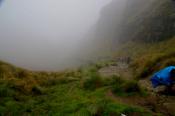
column 147, row 58
column 80, row 92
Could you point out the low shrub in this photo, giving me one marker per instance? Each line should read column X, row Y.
column 22, row 74
column 127, row 88
column 13, row 108
column 6, row 91
column 131, row 87
column 51, row 81
column 92, row 82
column 37, row 90
column 146, row 65
column 112, row 80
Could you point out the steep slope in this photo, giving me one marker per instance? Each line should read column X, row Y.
column 148, row 57
column 130, row 20
column 84, row 91
column 148, row 21
column 75, row 92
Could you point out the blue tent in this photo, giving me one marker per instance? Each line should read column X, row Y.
column 162, row 77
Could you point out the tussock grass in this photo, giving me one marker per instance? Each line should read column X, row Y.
column 67, row 93
column 92, row 82
column 128, row 88
column 6, row 91
column 153, row 63
column 149, row 57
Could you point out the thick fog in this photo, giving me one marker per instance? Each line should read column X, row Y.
column 46, row 34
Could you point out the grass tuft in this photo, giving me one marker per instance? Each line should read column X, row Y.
column 92, row 82
column 128, row 88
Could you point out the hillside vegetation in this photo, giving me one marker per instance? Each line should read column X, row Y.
column 77, row 92
column 145, row 21
column 147, row 40
column 148, row 21
column 84, row 91
column 149, row 57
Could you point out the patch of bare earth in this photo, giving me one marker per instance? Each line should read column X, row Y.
column 120, row 70
column 155, row 103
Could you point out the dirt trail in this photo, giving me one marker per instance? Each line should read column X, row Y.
column 121, row 70
column 154, row 102
column 132, row 100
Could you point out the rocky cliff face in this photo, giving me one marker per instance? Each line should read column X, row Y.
column 150, row 23
column 138, row 20
column 131, row 20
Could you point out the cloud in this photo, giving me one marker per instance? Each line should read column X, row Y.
column 45, row 34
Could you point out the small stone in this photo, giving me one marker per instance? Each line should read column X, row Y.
column 160, row 89
column 170, row 108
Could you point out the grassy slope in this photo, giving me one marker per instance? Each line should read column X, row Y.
column 148, row 58
column 78, row 92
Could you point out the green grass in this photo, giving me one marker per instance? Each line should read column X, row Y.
column 67, row 100
column 148, row 57
column 127, row 88
column 80, row 92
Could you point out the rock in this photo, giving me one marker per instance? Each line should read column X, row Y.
column 160, row 89
column 145, row 83
column 109, row 71
column 170, row 107
column 123, row 115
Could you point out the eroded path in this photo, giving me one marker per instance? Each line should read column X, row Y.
column 120, row 70
column 153, row 102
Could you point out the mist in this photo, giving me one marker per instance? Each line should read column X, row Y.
column 48, row 34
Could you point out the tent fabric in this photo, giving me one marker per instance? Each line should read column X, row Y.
column 162, row 77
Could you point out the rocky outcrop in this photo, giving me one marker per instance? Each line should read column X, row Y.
column 151, row 23
column 139, row 20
